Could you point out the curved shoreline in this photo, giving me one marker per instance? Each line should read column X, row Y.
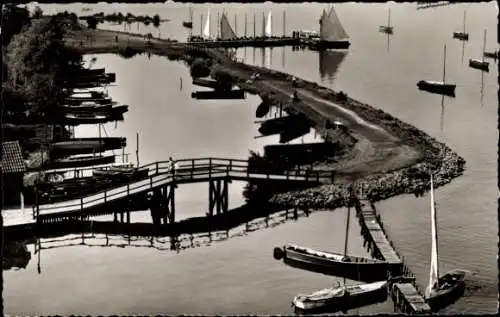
column 409, row 175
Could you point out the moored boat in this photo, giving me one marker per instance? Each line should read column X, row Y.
column 332, row 263
column 341, row 298
column 480, row 64
column 332, row 34
column 75, row 118
column 88, row 106
column 262, row 109
column 75, row 147
column 493, row 55
column 438, row 87
column 445, row 289
column 88, row 101
column 463, row 36
column 80, row 161
column 388, row 29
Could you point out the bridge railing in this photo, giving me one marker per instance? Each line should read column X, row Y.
column 165, row 171
column 193, row 167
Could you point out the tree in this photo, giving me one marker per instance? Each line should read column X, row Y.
column 13, row 20
column 36, row 62
column 37, row 13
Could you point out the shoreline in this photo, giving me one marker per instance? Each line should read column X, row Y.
column 415, row 152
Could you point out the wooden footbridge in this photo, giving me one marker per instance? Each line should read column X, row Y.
column 163, row 177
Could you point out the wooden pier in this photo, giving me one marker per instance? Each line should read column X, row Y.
column 406, row 295
column 407, row 300
column 160, row 184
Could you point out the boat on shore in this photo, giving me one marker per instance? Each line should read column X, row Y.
column 76, row 118
column 75, row 147
column 438, row 87
column 445, row 289
column 81, row 161
column 462, row 36
column 341, row 298
column 332, row 34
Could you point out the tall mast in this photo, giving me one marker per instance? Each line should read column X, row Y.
column 263, row 24
column 235, row 25
column 218, row 25
column 389, row 18
column 245, row 24
column 464, row 20
column 254, row 25
column 444, row 64
column 284, row 23
column 484, row 43
column 347, row 224
column 201, row 24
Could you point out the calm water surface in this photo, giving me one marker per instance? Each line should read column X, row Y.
column 135, row 280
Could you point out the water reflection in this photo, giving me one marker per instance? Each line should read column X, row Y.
column 122, row 235
column 329, row 62
column 482, row 89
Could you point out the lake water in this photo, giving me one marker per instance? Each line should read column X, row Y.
column 239, row 275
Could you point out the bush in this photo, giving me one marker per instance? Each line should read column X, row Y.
column 200, row 68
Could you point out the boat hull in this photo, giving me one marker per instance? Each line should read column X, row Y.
column 343, row 303
column 444, row 297
column 461, row 36
column 481, row 65
column 493, row 55
column 324, row 45
column 262, row 109
column 446, row 89
column 81, row 162
column 359, row 269
column 386, row 29
column 188, row 25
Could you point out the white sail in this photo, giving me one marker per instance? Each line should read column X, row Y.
column 226, row 31
column 206, row 29
column 331, row 29
column 434, row 270
column 269, row 25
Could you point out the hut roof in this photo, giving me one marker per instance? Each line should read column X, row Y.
column 12, row 158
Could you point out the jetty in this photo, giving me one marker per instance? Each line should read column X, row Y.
column 404, row 292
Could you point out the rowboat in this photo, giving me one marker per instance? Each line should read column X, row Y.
column 76, row 118
column 341, row 298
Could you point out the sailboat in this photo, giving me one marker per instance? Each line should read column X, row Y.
column 442, row 290
column 387, row 28
column 268, row 32
column 439, row 87
column 226, row 31
column 463, row 36
column 331, row 33
column 480, row 63
column 342, row 297
column 189, row 24
column 206, row 29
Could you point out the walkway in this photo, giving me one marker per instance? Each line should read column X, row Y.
column 161, row 174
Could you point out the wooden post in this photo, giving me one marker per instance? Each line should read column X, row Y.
column 137, row 148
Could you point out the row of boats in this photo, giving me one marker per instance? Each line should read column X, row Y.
column 376, row 275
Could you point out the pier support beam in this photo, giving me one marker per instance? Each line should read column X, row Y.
column 218, row 196
column 169, row 203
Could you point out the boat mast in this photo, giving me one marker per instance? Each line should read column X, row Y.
column 389, row 19
column 444, row 65
column 464, row 20
column 347, row 224
column 484, row 44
